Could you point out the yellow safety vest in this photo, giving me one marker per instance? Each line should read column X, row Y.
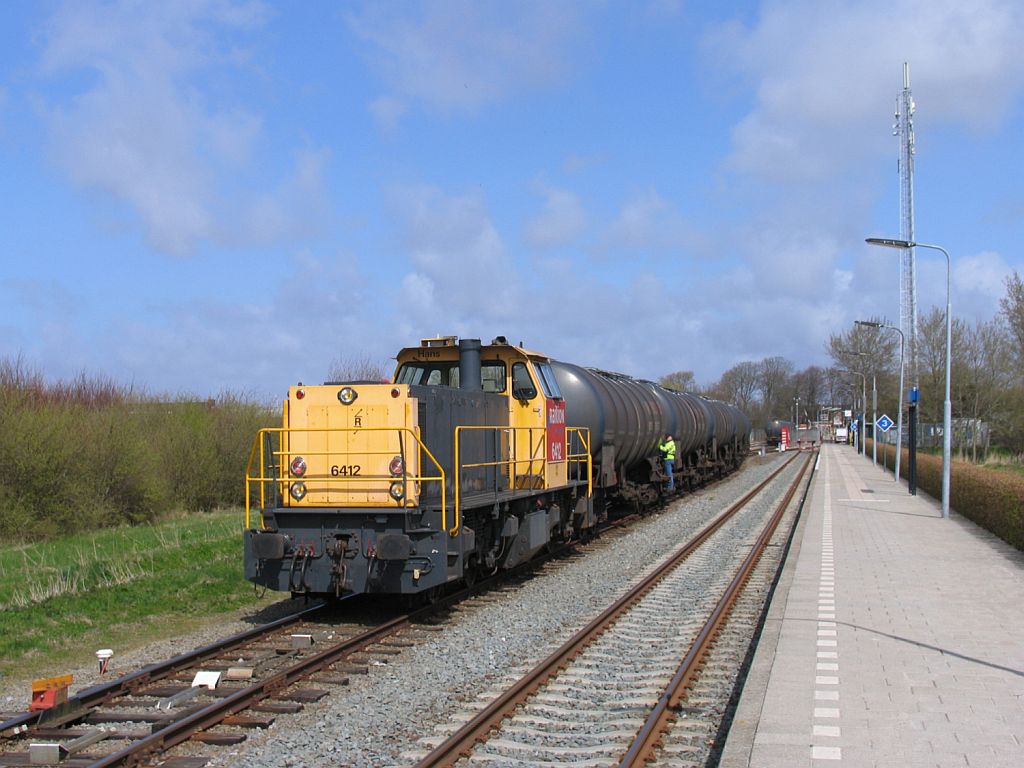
column 668, row 450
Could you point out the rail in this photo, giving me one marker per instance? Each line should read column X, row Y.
column 460, row 743
column 272, row 450
column 507, row 459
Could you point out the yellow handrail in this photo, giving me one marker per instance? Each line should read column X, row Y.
column 583, row 435
column 513, row 461
column 284, row 451
column 537, row 455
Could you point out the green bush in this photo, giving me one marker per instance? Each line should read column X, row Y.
column 87, row 454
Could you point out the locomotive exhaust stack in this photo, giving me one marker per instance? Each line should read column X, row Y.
column 469, row 365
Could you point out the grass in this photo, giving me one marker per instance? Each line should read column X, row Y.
column 63, row 598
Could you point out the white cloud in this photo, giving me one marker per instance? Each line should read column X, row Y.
column 979, row 282
column 984, row 273
column 458, row 56
column 291, row 210
column 650, row 223
column 143, row 131
column 826, row 74
column 388, row 113
column 455, row 247
column 561, row 222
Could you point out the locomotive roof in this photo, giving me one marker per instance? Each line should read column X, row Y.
column 452, row 343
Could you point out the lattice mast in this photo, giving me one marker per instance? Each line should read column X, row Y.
column 904, row 130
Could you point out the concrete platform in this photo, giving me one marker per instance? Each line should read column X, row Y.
column 895, row 638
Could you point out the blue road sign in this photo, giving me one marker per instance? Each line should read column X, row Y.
column 884, row 423
column 853, row 425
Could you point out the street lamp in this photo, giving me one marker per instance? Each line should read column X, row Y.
column 947, row 407
column 899, row 415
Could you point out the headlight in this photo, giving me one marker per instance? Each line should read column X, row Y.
column 298, row 466
column 298, row 491
column 397, row 466
column 397, row 491
column 347, row 395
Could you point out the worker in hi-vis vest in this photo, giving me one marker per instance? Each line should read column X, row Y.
column 668, row 456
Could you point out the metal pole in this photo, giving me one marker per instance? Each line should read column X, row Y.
column 947, row 406
column 874, row 422
column 863, row 413
column 912, row 449
column 899, row 416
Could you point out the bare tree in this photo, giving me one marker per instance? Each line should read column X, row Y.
column 1012, row 306
column 866, row 349
column 680, row 381
column 737, row 386
column 984, row 371
column 357, row 366
column 772, row 379
column 931, row 359
column 809, row 385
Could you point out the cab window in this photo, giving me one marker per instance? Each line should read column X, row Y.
column 522, row 384
column 446, row 374
column 493, row 375
column 431, row 374
column 547, row 381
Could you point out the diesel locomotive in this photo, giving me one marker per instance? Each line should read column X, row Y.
column 472, row 459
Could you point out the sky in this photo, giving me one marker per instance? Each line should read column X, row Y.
column 212, row 196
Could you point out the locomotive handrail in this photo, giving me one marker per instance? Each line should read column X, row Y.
column 512, row 462
column 583, row 435
column 282, row 478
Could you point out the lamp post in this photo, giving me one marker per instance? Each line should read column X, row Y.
column 947, row 408
column 874, row 421
column 899, row 415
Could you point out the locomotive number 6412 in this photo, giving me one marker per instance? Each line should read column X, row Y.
column 345, row 470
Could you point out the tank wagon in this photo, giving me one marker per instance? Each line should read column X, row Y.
column 473, row 459
column 773, row 431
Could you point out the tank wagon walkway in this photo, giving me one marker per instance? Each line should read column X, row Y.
column 895, row 638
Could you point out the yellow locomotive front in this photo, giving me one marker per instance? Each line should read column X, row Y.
column 408, row 486
column 351, row 445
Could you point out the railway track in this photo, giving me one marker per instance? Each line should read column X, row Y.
column 139, row 718
column 271, row 670
column 612, row 694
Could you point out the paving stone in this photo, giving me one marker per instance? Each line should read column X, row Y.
column 930, row 662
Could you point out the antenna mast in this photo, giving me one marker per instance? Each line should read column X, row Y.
column 904, row 130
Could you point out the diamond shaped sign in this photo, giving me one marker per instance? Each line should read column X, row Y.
column 884, row 423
